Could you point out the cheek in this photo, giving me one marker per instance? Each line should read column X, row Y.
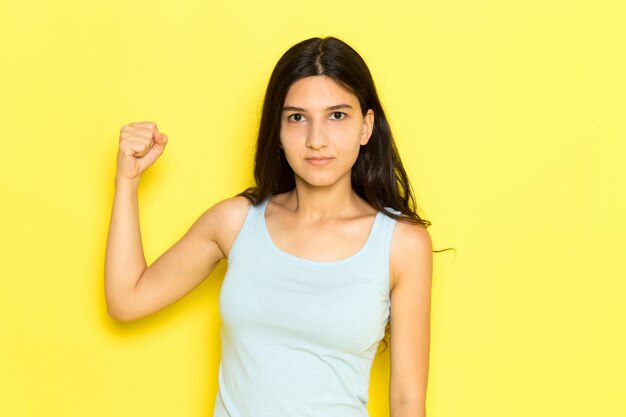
column 290, row 133
column 348, row 137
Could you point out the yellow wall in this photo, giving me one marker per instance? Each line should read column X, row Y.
column 509, row 116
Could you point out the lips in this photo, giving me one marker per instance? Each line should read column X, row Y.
column 319, row 160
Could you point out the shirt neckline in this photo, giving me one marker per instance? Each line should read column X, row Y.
column 299, row 259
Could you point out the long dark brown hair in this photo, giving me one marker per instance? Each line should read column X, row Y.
column 378, row 176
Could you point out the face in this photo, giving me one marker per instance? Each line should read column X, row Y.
column 321, row 119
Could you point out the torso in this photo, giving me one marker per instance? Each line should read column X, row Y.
column 320, row 241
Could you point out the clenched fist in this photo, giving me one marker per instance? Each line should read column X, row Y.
column 141, row 144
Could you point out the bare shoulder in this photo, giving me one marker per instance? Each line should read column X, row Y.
column 231, row 208
column 223, row 220
column 411, row 252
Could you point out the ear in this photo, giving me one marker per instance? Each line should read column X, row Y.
column 368, row 126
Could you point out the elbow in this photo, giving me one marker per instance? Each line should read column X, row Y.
column 118, row 315
column 118, row 305
column 408, row 408
column 123, row 317
column 118, row 312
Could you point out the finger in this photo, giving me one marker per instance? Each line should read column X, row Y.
column 148, row 124
column 139, row 131
column 137, row 148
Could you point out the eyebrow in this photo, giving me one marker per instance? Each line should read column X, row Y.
column 337, row 107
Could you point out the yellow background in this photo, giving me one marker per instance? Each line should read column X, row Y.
column 510, row 119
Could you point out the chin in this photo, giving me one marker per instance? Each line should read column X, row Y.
column 318, row 181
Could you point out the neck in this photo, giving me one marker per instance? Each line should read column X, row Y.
column 318, row 203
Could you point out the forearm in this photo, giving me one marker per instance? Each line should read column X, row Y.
column 124, row 259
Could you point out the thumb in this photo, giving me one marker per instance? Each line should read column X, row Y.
column 160, row 138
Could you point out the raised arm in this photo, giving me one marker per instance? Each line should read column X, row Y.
column 132, row 289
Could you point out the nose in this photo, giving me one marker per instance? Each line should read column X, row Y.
column 316, row 136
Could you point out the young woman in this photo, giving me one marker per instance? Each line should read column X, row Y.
column 326, row 254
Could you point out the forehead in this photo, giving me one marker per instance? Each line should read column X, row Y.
column 318, row 90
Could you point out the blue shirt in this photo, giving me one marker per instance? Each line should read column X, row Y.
column 299, row 336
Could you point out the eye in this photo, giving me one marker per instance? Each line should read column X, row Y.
column 295, row 117
column 338, row 115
